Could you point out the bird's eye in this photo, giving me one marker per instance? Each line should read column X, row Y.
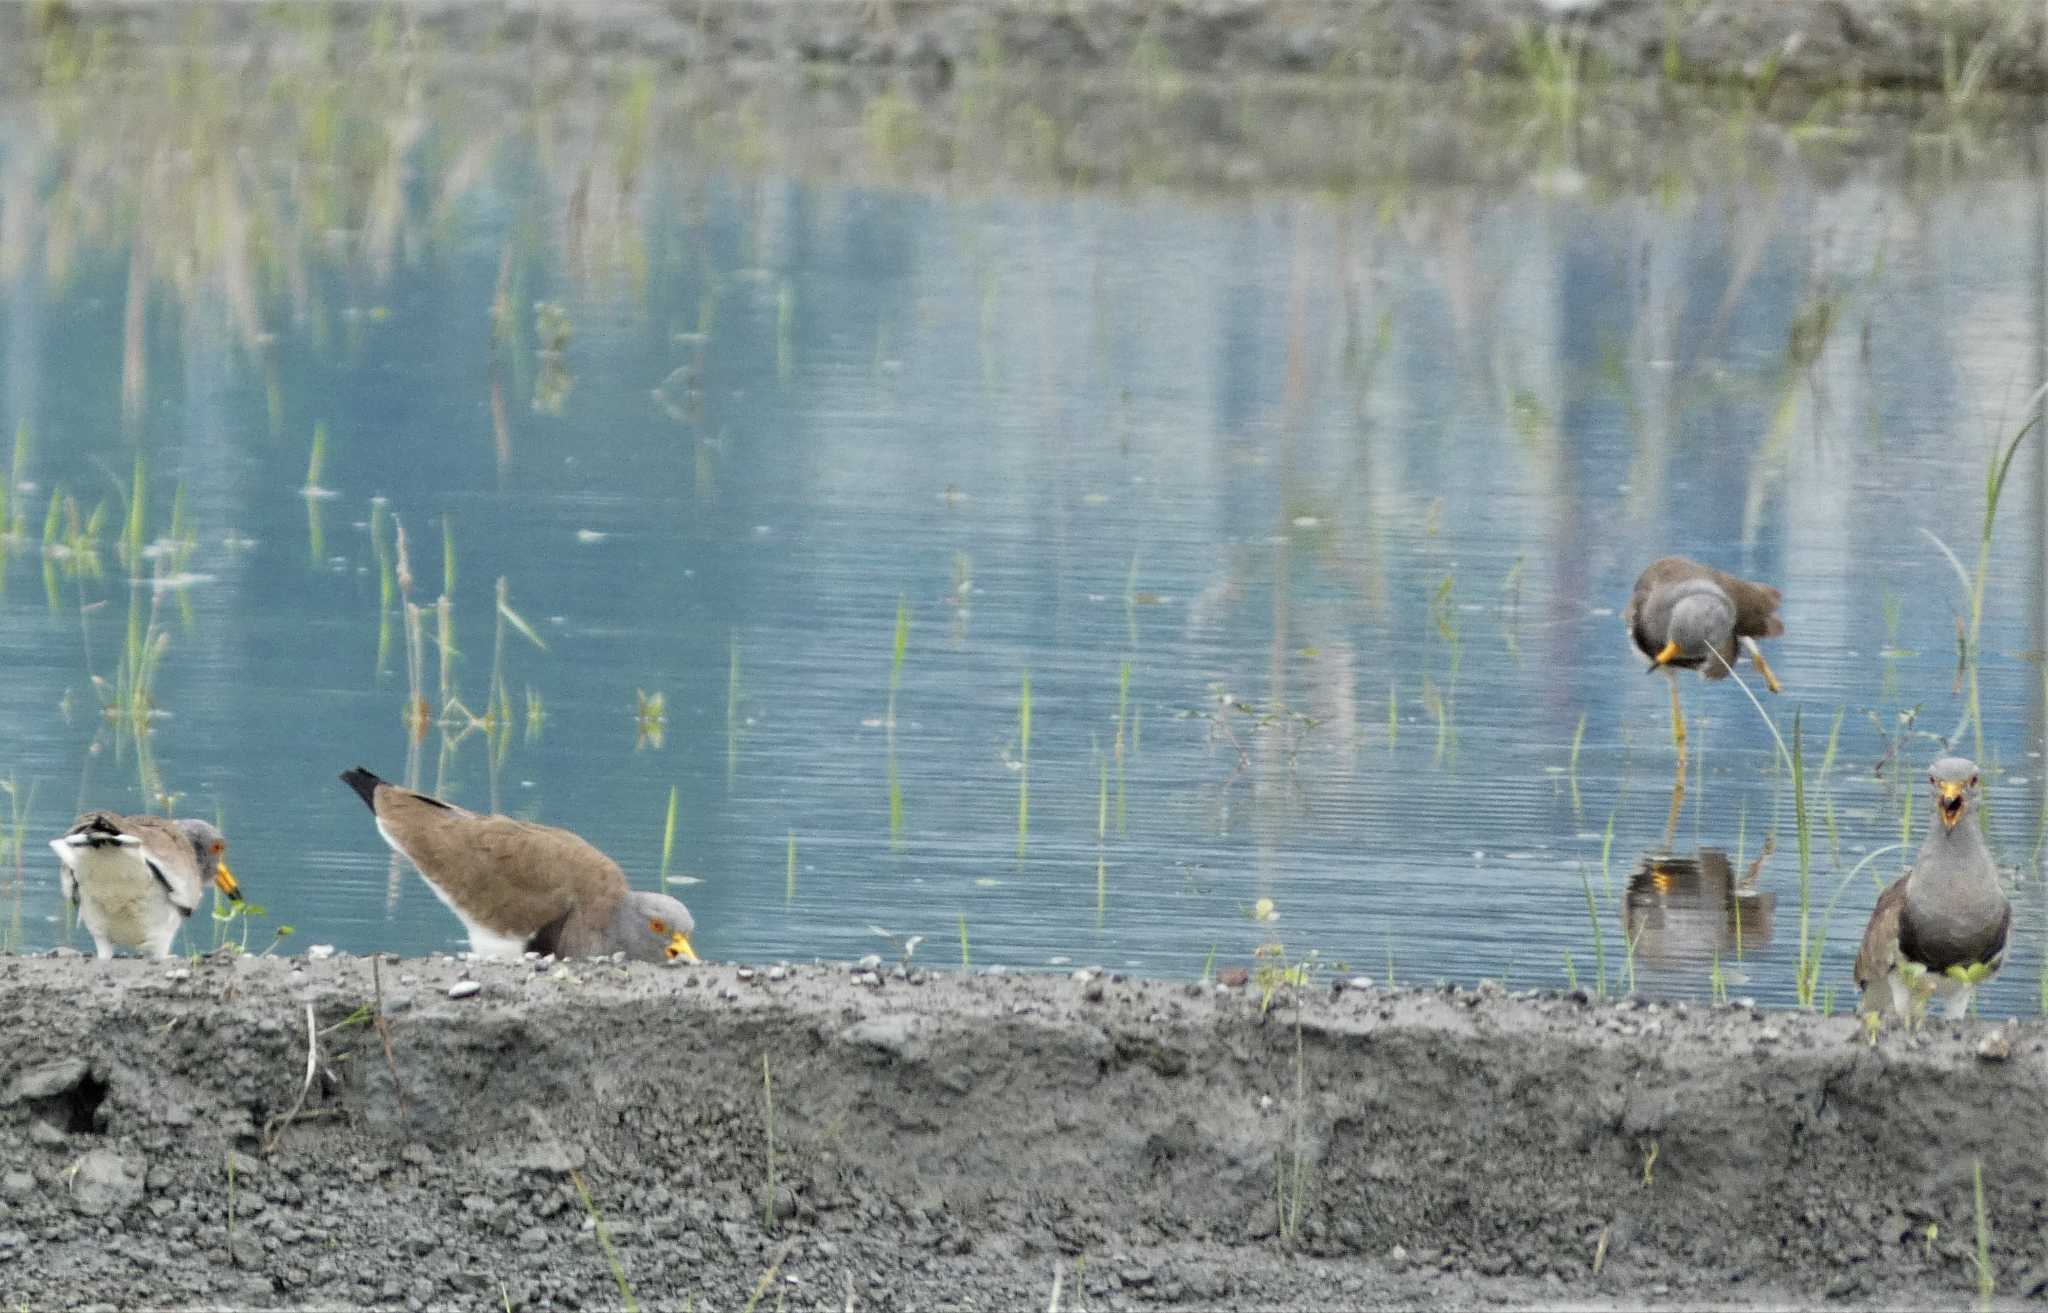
column 219, row 847
column 1973, row 781
column 659, row 927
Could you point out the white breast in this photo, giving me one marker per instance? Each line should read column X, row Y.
column 120, row 898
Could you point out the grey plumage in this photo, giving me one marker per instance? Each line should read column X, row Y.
column 1947, row 914
column 1702, row 611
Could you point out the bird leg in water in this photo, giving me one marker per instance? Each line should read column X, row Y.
column 1677, row 727
column 1677, row 801
column 1763, row 667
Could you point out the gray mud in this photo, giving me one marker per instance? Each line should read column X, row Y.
column 954, row 1142
column 1014, row 96
column 1858, row 45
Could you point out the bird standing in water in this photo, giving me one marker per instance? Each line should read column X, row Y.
column 1687, row 616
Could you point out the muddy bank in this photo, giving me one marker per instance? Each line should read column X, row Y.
column 942, row 1141
column 1848, row 44
column 1000, row 95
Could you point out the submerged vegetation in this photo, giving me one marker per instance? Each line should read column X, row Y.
column 289, row 257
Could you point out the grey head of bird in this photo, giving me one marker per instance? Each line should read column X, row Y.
column 1702, row 622
column 1954, row 783
column 652, row 928
column 211, row 847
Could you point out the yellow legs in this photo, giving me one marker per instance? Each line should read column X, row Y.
column 1678, row 748
column 1763, row 667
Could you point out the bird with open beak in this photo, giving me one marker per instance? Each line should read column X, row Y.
column 1941, row 928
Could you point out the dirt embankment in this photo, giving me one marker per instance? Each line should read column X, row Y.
column 942, row 1141
column 1846, row 44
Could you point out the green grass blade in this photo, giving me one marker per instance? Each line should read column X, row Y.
column 668, row 837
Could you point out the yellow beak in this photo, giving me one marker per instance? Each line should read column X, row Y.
column 225, row 881
column 1951, row 791
column 1669, row 653
column 679, row 947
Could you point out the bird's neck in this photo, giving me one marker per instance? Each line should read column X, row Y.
column 1954, row 870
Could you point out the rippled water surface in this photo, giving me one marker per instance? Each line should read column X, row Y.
column 1305, row 519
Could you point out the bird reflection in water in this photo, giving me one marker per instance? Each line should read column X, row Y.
column 1682, row 910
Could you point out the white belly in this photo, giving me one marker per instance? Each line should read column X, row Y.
column 122, row 902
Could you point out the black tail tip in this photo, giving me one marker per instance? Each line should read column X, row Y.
column 364, row 783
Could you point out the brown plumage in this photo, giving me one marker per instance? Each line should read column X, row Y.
column 1879, row 950
column 1648, row 614
column 134, row 879
column 517, row 886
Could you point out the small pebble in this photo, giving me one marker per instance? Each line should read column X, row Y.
column 778, row 973
column 872, row 962
column 319, row 952
column 465, row 988
column 745, row 973
column 868, row 978
column 180, row 974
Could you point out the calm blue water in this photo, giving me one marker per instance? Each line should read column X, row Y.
column 1379, row 470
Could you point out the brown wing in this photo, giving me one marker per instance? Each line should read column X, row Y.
column 1881, row 936
column 164, row 846
column 513, row 876
column 112, row 821
column 1756, row 605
